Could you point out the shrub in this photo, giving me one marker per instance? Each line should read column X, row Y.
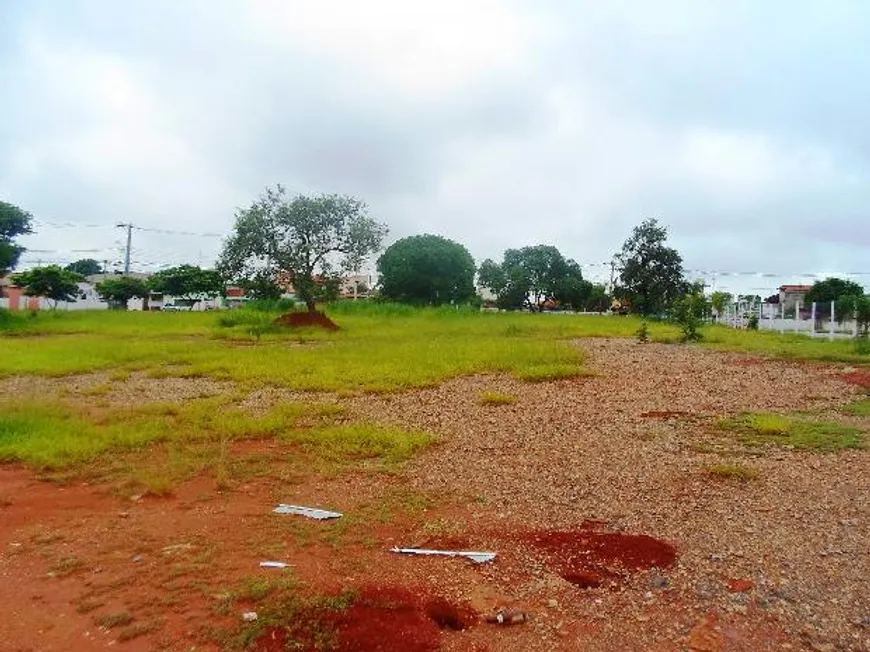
column 642, row 333
column 688, row 312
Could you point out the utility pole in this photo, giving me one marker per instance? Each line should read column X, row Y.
column 129, row 228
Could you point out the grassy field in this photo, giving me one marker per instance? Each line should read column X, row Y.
column 379, row 348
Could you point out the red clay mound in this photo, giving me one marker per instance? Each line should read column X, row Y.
column 381, row 619
column 306, row 320
column 589, row 559
column 860, row 378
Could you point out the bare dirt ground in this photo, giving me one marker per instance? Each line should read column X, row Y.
column 611, row 532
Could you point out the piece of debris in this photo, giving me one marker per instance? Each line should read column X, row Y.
column 476, row 557
column 507, row 617
column 273, row 564
column 249, row 616
column 309, row 512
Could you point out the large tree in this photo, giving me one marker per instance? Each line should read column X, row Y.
column 85, row 267
column 651, row 273
column 13, row 223
column 307, row 241
column 118, row 290
column 833, row 289
column 51, row 282
column 533, row 276
column 427, row 269
column 187, row 282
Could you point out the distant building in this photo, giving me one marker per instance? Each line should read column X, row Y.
column 791, row 295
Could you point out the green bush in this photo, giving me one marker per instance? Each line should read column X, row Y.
column 642, row 333
column 689, row 312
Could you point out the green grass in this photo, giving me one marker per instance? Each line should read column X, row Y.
column 379, row 347
column 791, row 346
column 738, row 472
column 797, row 432
column 860, row 408
column 55, row 435
column 118, row 619
column 496, row 398
column 360, row 441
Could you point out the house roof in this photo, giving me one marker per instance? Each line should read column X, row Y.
column 795, row 288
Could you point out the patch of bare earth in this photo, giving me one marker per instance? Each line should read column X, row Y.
column 610, row 533
column 628, row 447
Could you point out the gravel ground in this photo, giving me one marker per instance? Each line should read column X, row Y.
column 570, row 451
column 795, row 539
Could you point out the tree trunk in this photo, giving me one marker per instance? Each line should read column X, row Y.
column 311, row 305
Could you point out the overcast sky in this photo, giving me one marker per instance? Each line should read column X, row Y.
column 743, row 125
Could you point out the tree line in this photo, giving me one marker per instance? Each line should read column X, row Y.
column 313, row 242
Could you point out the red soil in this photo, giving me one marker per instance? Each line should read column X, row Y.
column 860, row 378
column 740, row 586
column 381, row 619
column 306, row 320
column 589, row 558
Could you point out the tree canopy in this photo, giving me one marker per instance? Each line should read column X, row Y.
column 720, row 300
column 51, row 282
column 13, row 223
column 85, row 267
column 651, row 273
column 307, row 241
column 534, row 276
column 187, row 282
column 427, row 269
column 833, row 289
column 118, row 290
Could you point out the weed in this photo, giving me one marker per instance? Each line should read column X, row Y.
column 88, row 605
column 66, row 566
column 642, row 333
column 360, row 441
column 688, row 312
column 796, row 432
column 138, row 629
column 860, row 408
column 118, row 619
column 496, row 398
column 737, row 472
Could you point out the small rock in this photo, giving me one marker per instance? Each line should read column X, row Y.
column 123, row 514
column 249, row 616
column 138, row 558
column 552, row 603
column 659, row 582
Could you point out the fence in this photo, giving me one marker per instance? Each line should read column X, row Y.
column 815, row 320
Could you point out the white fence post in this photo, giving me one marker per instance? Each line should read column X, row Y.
column 782, row 318
column 831, row 323
column 813, row 319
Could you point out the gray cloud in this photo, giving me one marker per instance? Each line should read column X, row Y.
column 740, row 125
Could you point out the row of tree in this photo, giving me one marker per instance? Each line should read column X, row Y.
column 185, row 282
column 311, row 242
